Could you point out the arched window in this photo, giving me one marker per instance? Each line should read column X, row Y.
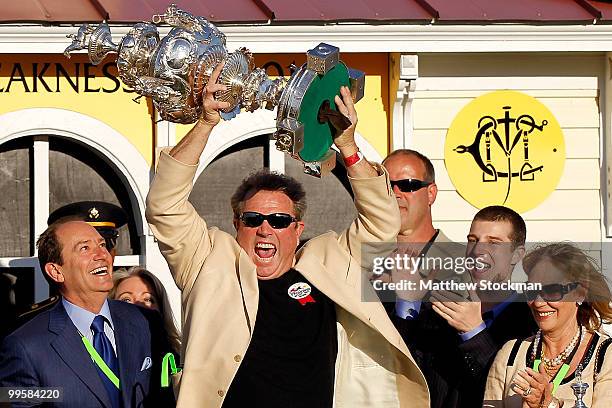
column 39, row 174
column 330, row 205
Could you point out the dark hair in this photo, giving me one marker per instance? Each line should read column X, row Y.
column 499, row 213
column 577, row 266
column 430, row 174
column 49, row 246
column 122, row 274
column 270, row 181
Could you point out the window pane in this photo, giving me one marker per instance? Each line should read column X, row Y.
column 78, row 174
column 15, row 180
column 329, row 203
column 215, row 186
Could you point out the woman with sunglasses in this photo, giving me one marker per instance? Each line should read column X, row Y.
column 569, row 309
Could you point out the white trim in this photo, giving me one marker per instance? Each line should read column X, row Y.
column 112, row 145
column 40, row 198
column 606, row 147
column 261, row 122
column 402, row 129
column 128, row 260
column 354, row 37
column 41, row 186
column 165, row 132
column 368, row 151
column 276, row 157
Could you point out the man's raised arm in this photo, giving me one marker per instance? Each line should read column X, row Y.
column 378, row 218
column 181, row 233
column 190, row 148
column 345, row 142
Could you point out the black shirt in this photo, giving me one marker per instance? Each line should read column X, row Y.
column 290, row 360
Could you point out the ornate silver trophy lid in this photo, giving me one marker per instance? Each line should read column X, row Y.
column 174, row 70
column 579, row 387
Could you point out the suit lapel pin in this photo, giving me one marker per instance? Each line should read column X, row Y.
column 146, row 364
column 300, row 291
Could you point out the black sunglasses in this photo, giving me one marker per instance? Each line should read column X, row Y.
column 254, row 219
column 409, row 185
column 551, row 293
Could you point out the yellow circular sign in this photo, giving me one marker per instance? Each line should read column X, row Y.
column 505, row 148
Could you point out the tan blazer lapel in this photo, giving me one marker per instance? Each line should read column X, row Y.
column 379, row 319
column 313, row 270
column 337, row 287
column 247, row 276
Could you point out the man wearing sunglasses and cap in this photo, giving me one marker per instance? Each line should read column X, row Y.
column 264, row 325
column 105, row 217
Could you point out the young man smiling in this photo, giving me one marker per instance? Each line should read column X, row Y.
column 264, row 325
column 455, row 341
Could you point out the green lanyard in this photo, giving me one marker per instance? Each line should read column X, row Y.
column 168, row 359
column 558, row 378
column 100, row 362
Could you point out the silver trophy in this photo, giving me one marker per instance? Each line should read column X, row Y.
column 175, row 69
column 579, row 387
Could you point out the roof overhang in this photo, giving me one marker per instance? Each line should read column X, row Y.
column 355, row 38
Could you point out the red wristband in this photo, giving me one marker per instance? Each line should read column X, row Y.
column 353, row 159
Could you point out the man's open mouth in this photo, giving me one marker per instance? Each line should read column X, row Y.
column 265, row 251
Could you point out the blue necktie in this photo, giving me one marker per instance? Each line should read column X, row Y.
column 104, row 347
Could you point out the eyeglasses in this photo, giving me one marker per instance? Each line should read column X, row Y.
column 254, row 219
column 551, row 293
column 409, row 185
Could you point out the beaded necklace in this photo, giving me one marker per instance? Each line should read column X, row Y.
column 567, row 355
column 563, row 355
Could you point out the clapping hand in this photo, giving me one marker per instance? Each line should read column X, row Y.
column 534, row 387
column 462, row 314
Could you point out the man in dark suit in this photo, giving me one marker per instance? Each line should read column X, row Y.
column 454, row 342
column 58, row 347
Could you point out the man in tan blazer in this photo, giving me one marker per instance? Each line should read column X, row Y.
column 247, row 338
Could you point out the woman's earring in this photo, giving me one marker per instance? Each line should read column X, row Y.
column 579, row 303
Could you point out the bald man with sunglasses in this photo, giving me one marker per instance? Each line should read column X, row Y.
column 413, row 180
column 264, row 325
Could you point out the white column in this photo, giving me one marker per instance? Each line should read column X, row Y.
column 606, row 165
column 277, row 158
column 402, row 105
column 607, row 146
column 40, row 197
column 152, row 259
column 165, row 132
